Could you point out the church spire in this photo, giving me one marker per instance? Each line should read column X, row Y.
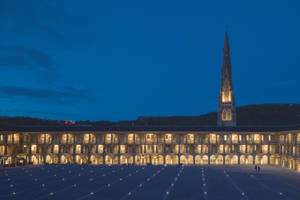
column 226, row 68
column 226, row 108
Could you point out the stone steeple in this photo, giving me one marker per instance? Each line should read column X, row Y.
column 226, row 108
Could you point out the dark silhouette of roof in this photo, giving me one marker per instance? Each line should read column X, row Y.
column 143, row 128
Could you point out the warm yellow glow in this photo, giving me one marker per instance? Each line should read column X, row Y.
column 220, row 148
column 64, row 139
column 78, row 148
column 226, row 115
column 243, row 148
column 212, row 138
column 168, row 138
column 150, row 138
column 100, row 148
column 265, row 148
column 257, row 138
column 86, row 138
column 108, row 138
column 33, row 149
column 190, row 138
column 226, row 97
column 92, row 138
column 149, row 148
column 16, row 138
column 56, row 149
column 122, row 148
column 2, row 149
column 234, row 138
column 130, row 138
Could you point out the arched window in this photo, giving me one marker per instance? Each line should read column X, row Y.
column 228, row 115
column 224, row 115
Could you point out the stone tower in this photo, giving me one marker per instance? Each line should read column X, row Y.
column 226, row 107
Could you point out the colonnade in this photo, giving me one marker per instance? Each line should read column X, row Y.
column 156, row 148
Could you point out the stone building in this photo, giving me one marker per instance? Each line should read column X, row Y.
column 226, row 107
column 224, row 144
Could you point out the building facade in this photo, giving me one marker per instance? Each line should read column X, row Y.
column 153, row 147
column 225, row 144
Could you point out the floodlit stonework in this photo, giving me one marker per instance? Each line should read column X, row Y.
column 157, row 148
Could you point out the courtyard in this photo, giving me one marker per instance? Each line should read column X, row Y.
column 78, row 182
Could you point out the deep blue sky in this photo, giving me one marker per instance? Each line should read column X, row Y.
column 117, row 60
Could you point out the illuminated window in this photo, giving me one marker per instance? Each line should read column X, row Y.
column 64, row 139
column 226, row 115
column 86, row 138
column 122, row 149
column 265, row 148
column 220, row 149
column 213, row 138
column 78, row 148
column 234, row 138
column 243, row 148
column 190, row 138
column 226, row 97
column 130, row 139
column 100, row 148
column 33, row 149
column 168, row 138
column 108, row 138
column 2, row 149
column 56, row 148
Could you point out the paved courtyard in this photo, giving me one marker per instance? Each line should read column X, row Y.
column 148, row 182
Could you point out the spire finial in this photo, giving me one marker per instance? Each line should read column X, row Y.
column 226, row 28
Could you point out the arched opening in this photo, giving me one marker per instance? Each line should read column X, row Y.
column 212, row 159
column 63, row 159
column 283, row 162
column 123, row 160
column 242, row 160
column 154, row 160
column 78, row 159
column 249, row 161
column 160, row 159
column 205, row 160
column 183, row 160
column 34, row 160
column 115, row 160
column 224, row 115
column 291, row 163
column 108, row 160
column 198, row 160
column 130, row 159
column 219, row 160
column 190, row 160
column 227, row 160
column 264, row 160
column 234, row 160
column 137, row 160
column 49, row 159
column 257, row 160
column 169, row 160
column 94, row 160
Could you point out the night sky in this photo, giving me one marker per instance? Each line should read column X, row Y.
column 117, row 60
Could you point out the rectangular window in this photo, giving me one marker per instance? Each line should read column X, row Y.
column 56, row 149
